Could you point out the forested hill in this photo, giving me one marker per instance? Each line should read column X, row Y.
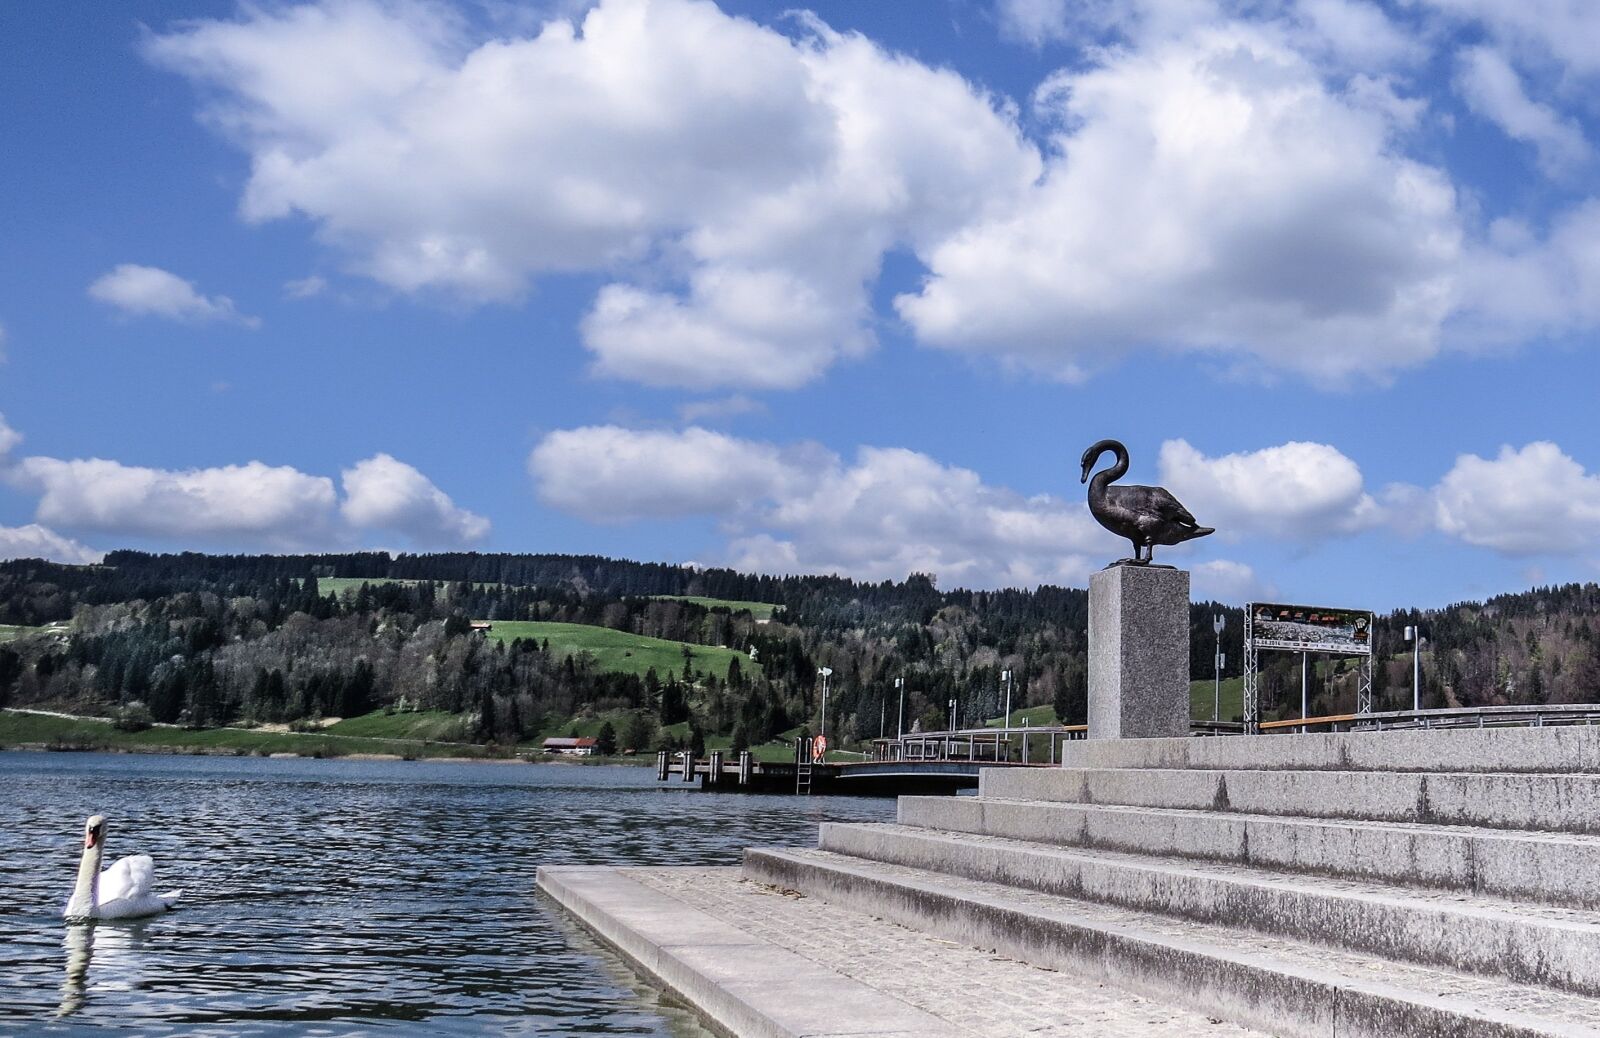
column 207, row 639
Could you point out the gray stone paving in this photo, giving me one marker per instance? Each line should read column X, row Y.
column 1333, row 963
column 980, row 994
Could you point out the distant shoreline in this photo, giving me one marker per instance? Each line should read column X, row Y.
column 210, row 751
column 58, row 733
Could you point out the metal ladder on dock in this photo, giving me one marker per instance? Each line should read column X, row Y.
column 802, row 768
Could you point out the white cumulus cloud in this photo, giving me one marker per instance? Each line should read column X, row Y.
column 1518, row 284
column 740, row 186
column 1566, row 32
column 1493, row 89
column 893, row 511
column 37, row 542
column 308, row 287
column 1528, row 501
column 278, row 504
column 718, row 408
column 612, row 474
column 1297, row 491
column 1224, row 580
column 382, row 492
column 150, row 291
column 1208, row 193
column 796, row 509
column 253, row 505
column 9, row 438
column 1221, row 178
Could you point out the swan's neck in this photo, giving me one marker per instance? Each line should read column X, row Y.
column 1106, row 477
column 86, row 895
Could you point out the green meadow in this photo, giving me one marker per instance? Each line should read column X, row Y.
column 619, row 650
column 68, row 733
column 339, row 585
column 759, row 610
column 11, row 632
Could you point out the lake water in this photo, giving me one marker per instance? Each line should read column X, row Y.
column 342, row 897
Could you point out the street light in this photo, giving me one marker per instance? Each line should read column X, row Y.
column 1005, row 675
column 952, row 715
column 1218, row 622
column 900, row 727
column 826, row 672
column 1414, row 636
column 1305, row 685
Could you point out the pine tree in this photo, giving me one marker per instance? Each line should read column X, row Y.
column 637, row 735
column 606, row 740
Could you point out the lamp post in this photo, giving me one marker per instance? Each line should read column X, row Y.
column 1218, row 622
column 900, row 727
column 1414, row 636
column 1005, row 675
column 1304, row 685
column 826, row 672
column 952, row 715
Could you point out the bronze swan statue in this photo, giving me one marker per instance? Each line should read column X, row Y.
column 1147, row 516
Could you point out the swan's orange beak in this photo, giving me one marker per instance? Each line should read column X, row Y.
column 88, row 839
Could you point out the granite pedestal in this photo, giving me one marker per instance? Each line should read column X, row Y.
column 1138, row 653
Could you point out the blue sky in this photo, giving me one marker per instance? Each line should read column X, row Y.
column 841, row 291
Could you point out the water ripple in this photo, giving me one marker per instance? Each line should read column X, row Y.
column 348, row 897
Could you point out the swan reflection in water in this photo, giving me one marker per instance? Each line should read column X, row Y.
column 111, row 946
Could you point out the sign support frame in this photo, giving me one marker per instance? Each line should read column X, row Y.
column 1252, row 675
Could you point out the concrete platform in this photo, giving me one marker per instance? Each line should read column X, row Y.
column 1281, row 986
column 1552, row 868
column 1570, row 748
column 1559, row 802
column 1371, row 885
column 758, row 961
column 1555, row 947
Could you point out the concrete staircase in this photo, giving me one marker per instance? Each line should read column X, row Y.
column 1383, row 884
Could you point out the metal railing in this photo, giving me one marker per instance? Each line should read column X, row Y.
column 1016, row 744
column 1535, row 716
column 999, row 745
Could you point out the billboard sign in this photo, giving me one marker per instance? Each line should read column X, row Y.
column 1310, row 628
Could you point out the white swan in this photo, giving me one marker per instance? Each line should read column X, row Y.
column 121, row 891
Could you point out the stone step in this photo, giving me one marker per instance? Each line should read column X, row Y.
column 1533, row 944
column 1285, row 986
column 1561, row 869
column 756, row 962
column 1567, row 748
column 1494, row 800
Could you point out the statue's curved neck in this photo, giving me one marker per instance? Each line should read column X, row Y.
column 1105, row 477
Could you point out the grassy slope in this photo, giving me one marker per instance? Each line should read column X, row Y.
column 1034, row 715
column 760, row 610
column 1200, row 701
column 34, row 729
column 1202, row 698
column 11, row 632
column 339, row 585
column 619, row 650
column 429, row 725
